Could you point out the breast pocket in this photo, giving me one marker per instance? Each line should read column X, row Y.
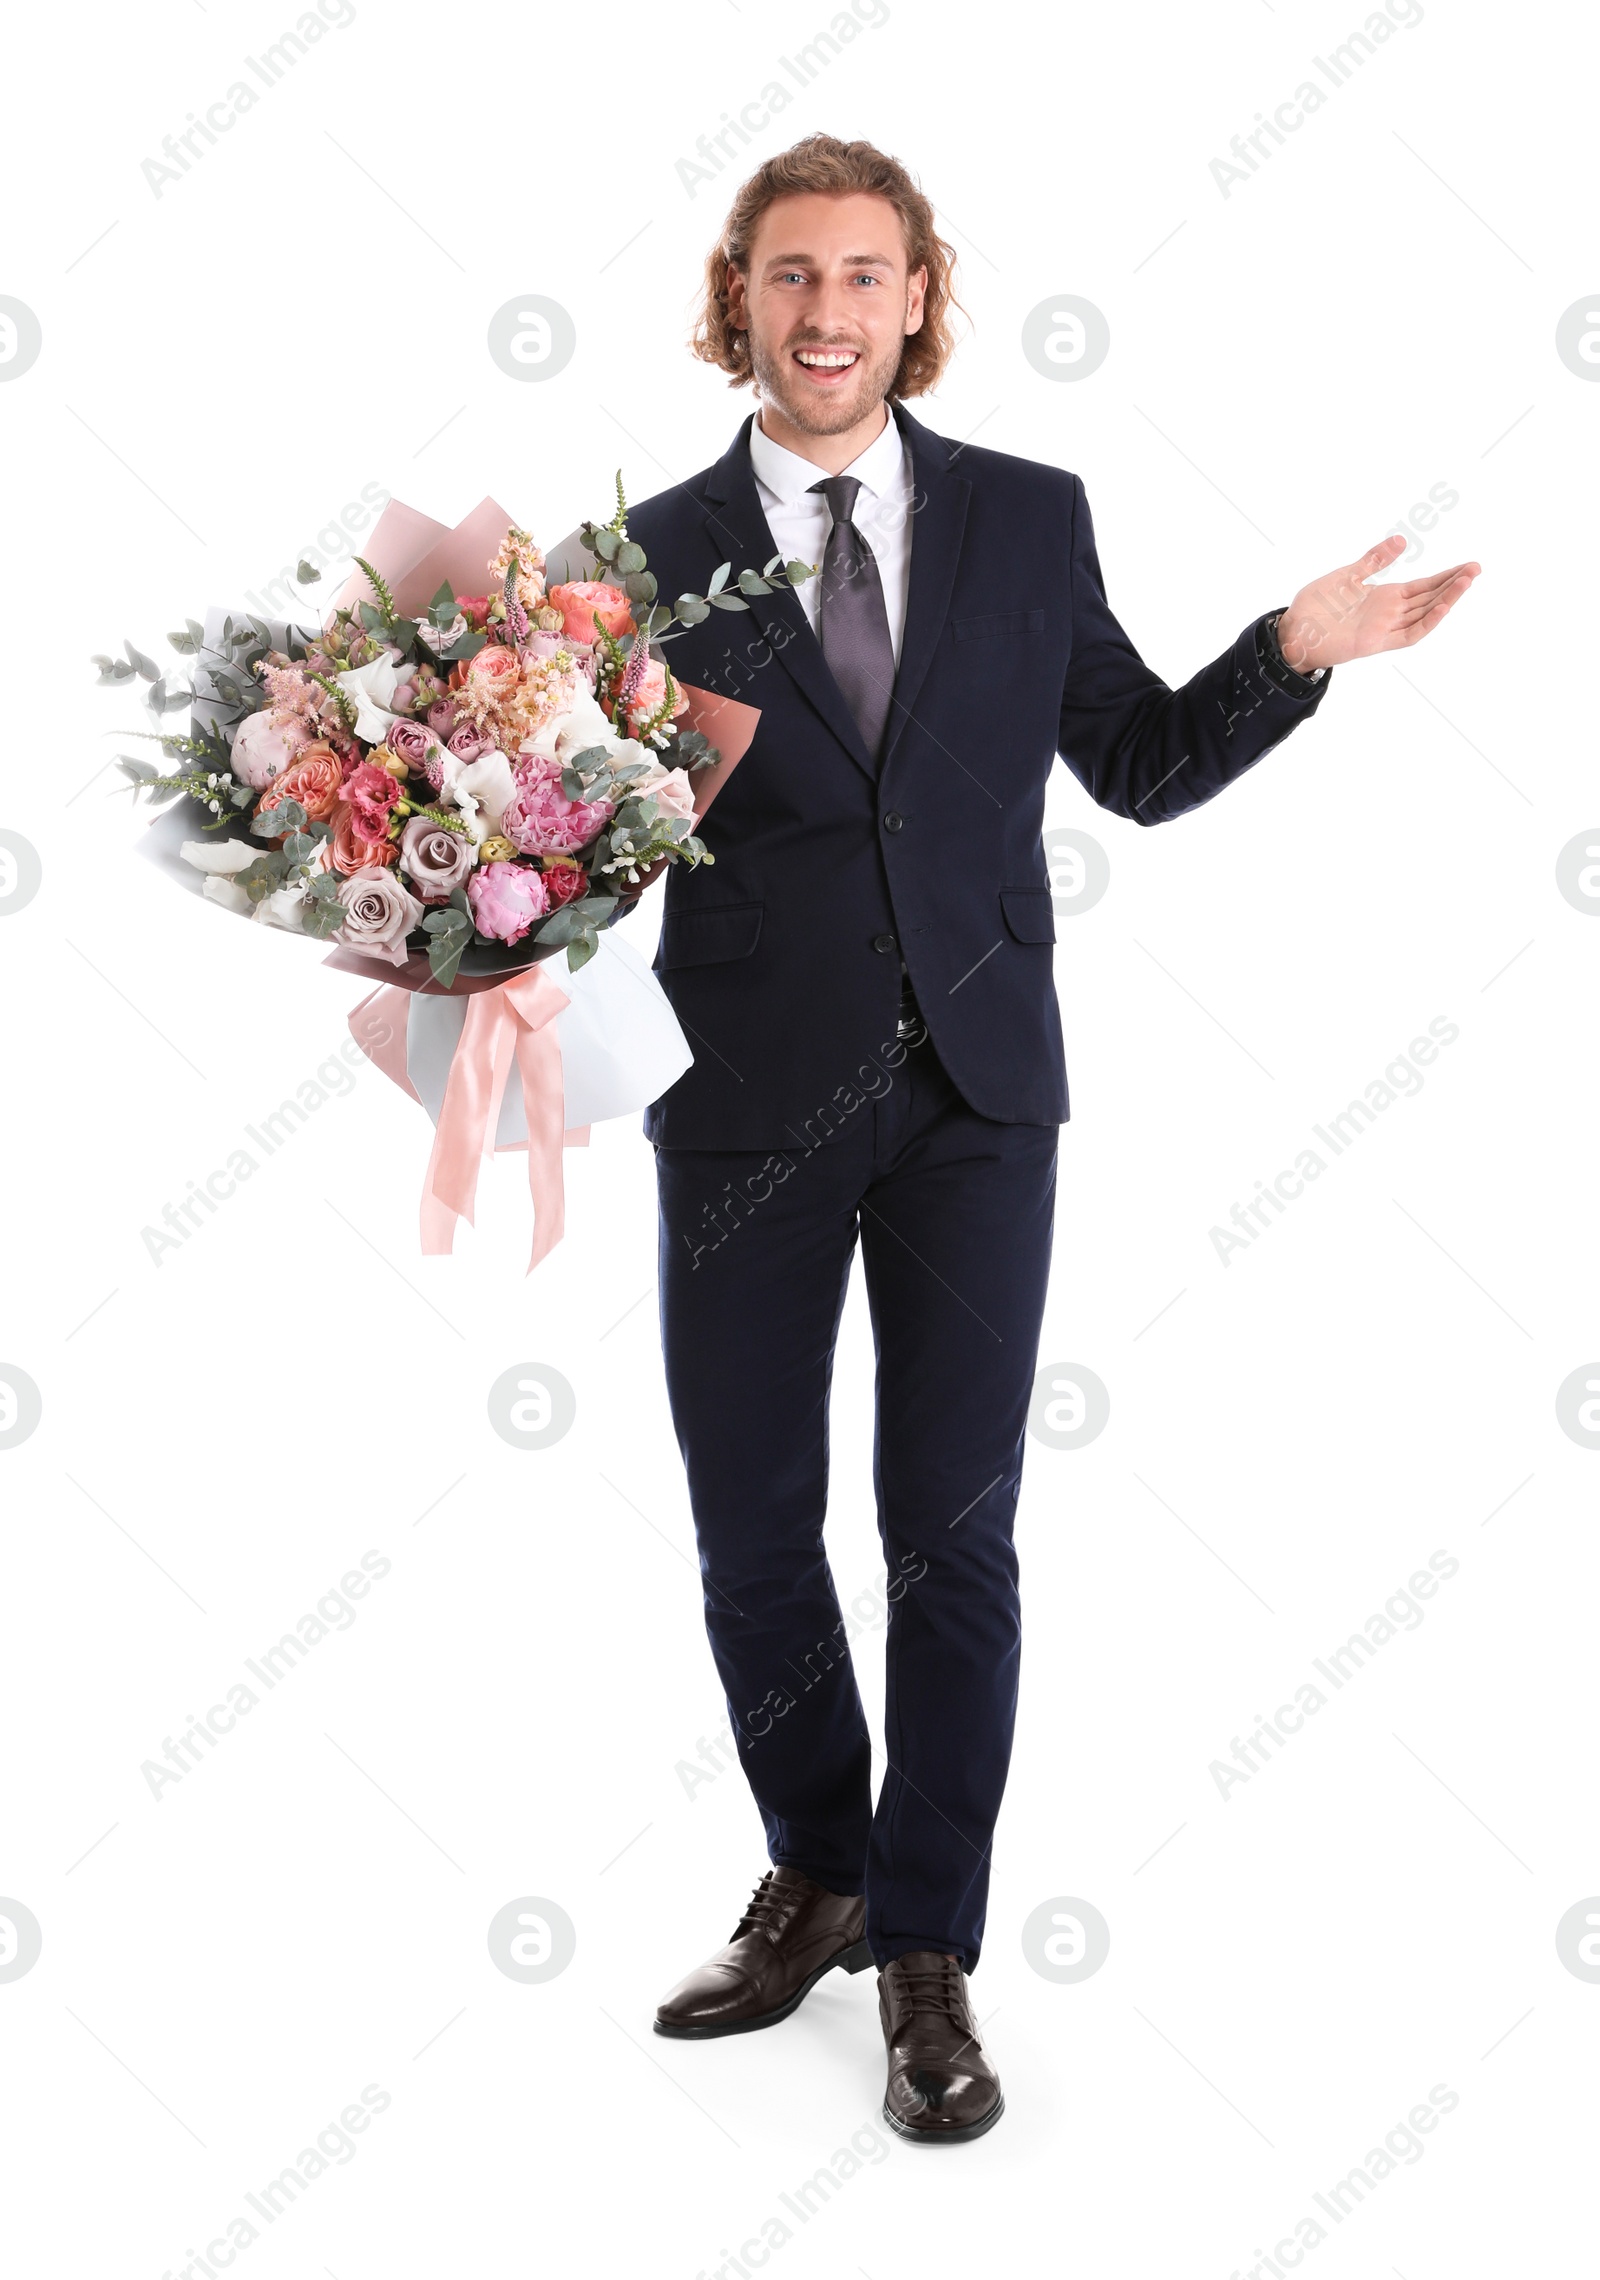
column 1001, row 622
column 710, row 936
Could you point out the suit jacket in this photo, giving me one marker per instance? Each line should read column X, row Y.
column 782, row 959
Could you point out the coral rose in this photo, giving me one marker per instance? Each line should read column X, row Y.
column 313, row 778
column 586, row 599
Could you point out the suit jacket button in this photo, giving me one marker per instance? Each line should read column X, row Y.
column 892, row 822
column 883, row 944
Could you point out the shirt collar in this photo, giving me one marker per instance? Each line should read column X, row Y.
column 788, row 477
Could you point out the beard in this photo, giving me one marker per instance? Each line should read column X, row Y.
column 777, row 380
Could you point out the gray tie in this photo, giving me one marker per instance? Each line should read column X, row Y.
column 854, row 622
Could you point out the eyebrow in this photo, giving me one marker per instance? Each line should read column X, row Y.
column 851, row 260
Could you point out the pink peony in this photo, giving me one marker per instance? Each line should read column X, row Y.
column 541, row 820
column 263, row 748
column 506, row 898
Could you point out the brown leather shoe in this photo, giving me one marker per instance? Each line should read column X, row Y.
column 791, row 1933
column 942, row 2088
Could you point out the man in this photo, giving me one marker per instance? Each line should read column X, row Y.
column 865, row 978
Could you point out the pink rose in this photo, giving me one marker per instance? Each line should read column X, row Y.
column 564, row 882
column 411, row 742
column 541, row 820
column 469, row 742
column 441, row 716
column 263, row 748
column 494, row 667
column 586, row 599
column 673, row 794
column 505, row 899
column 370, row 793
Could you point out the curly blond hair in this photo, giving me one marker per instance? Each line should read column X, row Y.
column 823, row 164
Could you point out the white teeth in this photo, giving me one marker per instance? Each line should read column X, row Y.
column 828, row 359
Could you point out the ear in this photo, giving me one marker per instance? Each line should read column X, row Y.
column 738, row 307
column 916, row 292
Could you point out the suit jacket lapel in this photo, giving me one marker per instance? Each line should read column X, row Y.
column 938, row 518
column 737, row 528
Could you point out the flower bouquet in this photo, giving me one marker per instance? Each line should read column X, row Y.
column 448, row 787
column 481, row 779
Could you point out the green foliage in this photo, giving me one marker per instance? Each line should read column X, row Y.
column 385, row 598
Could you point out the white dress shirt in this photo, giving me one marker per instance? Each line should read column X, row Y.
column 800, row 523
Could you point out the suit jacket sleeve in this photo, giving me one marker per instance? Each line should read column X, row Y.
column 1150, row 752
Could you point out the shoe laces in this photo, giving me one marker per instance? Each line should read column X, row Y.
column 934, row 1987
column 769, row 1908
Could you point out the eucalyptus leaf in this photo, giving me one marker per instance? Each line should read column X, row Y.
column 691, row 610
column 141, row 664
column 728, row 602
column 581, row 951
column 282, row 816
column 628, row 560
column 306, row 575
column 719, row 578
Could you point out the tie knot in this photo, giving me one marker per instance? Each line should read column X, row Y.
column 841, row 493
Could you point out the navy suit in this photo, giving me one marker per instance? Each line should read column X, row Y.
column 807, row 1123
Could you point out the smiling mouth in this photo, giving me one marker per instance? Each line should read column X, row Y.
column 826, row 367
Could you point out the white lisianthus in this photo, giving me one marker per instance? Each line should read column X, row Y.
column 369, row 688
column 478, row 790
column 228, row 893
column 578, row 727
column 221, row 857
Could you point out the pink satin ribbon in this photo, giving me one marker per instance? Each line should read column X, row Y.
column 511, row 1023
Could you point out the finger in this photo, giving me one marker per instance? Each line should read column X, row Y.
column 1412, row 630
column 1453, row 583
column 1437, row 579
column 1376, row 558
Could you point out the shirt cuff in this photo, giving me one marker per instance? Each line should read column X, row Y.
column 1274, row 664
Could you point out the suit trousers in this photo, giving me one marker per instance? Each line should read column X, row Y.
column 954, row 1214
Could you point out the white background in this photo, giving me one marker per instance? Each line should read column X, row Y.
column 1291, row 1434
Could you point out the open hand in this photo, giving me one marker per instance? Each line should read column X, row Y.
column 1339, row 617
